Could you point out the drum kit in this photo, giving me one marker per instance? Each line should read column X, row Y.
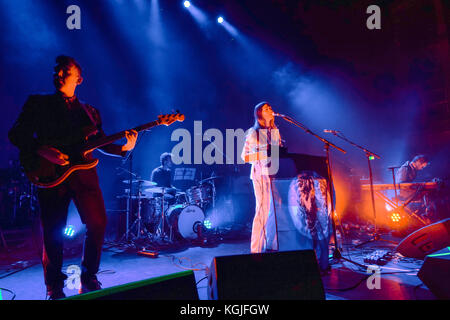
column 167, row 214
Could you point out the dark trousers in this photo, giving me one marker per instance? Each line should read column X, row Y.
column 83, row 188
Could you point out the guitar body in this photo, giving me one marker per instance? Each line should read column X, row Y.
column 49, row 175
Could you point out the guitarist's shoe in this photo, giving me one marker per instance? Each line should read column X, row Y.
column 55, row 292
column 89, row 284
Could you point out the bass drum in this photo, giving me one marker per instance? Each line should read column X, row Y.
column 184, row 220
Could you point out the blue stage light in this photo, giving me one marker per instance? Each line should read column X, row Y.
column 207, row 224
column 220, row 20
column 69, row 231
column 187, row 4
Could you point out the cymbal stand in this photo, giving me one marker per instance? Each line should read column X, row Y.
column 129, row 158
column 140, row 227
column 337, row 255
column 130, row 193
column 213, row 194
column 162, row 231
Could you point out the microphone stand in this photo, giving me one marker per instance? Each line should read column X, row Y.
column 337, row 255
column 394, row 182
column 376, row 235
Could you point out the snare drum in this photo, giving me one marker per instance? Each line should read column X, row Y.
column 184, row 220
column 180, row 198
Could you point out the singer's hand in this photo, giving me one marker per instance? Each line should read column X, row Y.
column 262, row 155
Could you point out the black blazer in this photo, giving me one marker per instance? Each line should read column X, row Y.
column 45, row 120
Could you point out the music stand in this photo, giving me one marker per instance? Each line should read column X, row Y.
column 369, row 155
column 337, row 255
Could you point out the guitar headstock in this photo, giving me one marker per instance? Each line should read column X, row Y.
column 168, row 119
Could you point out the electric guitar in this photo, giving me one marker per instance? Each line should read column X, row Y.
column 49, row 175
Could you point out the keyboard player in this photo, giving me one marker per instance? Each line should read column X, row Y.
column 408, row 171
column 419, row 201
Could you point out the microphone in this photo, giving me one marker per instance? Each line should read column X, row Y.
column 279, row 115
column 330, row 131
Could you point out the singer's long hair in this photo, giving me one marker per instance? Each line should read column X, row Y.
column 259, row 121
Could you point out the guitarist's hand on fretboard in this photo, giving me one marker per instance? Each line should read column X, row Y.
column 53, row 155
column 131, row 137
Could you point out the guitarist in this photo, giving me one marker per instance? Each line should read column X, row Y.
column 48, row 125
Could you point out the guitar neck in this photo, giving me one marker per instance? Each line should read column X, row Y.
column 117, row 136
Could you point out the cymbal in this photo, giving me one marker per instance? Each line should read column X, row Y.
column 144, row 183
column 207, row 179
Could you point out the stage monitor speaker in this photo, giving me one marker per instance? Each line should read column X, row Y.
column 176, row 286
column 426, row 240
column 286, row 275
column 435, row 273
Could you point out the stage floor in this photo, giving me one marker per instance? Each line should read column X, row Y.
column 21, row 271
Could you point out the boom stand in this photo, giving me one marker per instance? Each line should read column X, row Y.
column 337, row 255
column 369, row 154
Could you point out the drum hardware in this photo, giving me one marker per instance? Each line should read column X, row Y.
column 166, row 215
column 138, row 223
column 209, row 179
column 166, row 192
column 162, row 191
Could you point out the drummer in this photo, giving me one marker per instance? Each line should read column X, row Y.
column 162, row 175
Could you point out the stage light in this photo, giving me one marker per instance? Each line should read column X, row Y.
column 395, row 217
column 207, row 224
column 69, row 231
column 187, row 4
column 220, row 20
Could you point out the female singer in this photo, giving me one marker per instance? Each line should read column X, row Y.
column 259, row 141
